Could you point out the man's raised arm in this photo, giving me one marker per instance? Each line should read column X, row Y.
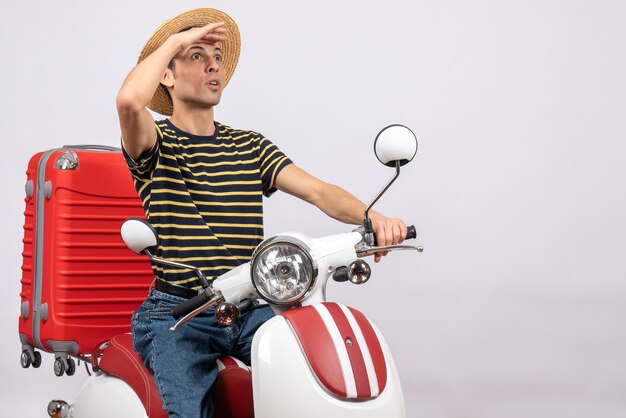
column 137, row 125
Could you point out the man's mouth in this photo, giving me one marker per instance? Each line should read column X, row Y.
column 213, row 85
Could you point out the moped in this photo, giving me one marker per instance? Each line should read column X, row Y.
column 314, row 358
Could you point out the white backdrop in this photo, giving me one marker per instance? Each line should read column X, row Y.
column 516, row 307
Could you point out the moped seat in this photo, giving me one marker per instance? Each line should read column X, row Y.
column 233, row 393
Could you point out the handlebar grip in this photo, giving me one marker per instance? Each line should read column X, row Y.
column 341, row 274
column 189, row 305
column 411, row 233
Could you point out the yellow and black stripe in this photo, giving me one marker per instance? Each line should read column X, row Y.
column 203, row 195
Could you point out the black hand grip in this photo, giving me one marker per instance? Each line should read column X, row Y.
column 341, row 274
column 244, row 305
column 411, row 233
column 189, row 305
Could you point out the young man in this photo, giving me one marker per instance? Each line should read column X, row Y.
column 202, row 184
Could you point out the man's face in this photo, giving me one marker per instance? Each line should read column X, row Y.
column 197, row 78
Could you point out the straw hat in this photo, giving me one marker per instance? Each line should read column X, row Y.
column 161, row 101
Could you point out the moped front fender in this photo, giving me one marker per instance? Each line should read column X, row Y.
column 285, row 384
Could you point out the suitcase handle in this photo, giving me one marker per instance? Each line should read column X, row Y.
column 94, row 147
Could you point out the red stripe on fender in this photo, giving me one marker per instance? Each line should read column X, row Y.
column 376, row 351
column 318, row 347
column 361, row 380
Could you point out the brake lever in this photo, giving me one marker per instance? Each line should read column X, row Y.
column 366, row 250
column 217, row 298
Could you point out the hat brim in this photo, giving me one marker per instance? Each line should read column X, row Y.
column 161, row 101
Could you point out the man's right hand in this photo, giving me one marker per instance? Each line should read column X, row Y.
column 208, row 34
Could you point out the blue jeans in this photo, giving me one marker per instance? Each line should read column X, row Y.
column 183, row 362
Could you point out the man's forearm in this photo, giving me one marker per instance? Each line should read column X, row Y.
column 139, row 86
column 341, row 205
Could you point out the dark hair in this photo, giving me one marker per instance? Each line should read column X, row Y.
column 172, row 64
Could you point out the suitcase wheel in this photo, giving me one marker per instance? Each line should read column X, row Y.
column 59, row 367
column 27, row 359
column 37, row 359
column 64, row 365
column 71, row 367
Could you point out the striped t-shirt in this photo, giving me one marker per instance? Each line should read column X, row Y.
column 203, row 195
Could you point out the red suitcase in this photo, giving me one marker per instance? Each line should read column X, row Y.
column 80, row 284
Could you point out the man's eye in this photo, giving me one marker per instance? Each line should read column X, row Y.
column 196, row 57
column 218, row 58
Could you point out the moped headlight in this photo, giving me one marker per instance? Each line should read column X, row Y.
column 282, row 270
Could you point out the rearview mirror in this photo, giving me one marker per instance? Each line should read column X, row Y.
column 138, row 235
column 395, row 143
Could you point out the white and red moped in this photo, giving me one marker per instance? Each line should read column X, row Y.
column 314, row 358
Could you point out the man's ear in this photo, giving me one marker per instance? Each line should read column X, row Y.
column 168, row 78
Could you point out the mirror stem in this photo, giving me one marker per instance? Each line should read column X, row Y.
column 203, row 281
column 367, row 222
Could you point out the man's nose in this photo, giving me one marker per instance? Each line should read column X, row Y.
column 213, row 66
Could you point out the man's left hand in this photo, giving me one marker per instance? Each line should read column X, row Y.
column 389, row 231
